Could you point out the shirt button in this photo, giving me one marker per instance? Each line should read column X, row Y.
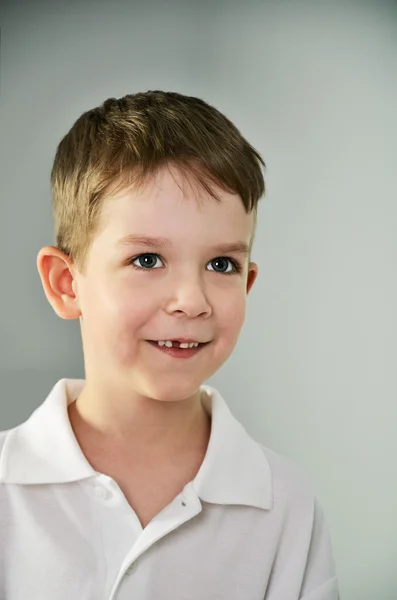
column 101, row 492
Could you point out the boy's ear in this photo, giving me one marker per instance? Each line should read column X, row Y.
column 57, row 277
column 252, row 275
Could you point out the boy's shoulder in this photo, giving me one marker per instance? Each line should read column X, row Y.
column 286, row 474
column 284, row 466
column 289, row 483
column 289, row 480
column 3, row 436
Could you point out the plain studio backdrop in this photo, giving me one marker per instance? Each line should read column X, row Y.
column 314, row 87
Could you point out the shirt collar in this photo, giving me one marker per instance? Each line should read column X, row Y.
column 44, row 450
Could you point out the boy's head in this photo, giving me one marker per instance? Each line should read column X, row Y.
column 155, row 198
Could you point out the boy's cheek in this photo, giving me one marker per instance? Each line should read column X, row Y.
column 233, row 306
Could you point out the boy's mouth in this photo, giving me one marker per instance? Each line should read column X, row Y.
column 178, row 348
column 178, row 343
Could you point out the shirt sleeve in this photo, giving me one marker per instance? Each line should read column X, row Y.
column 320, row 580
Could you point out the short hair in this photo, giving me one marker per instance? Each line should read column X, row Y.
column 127, row 140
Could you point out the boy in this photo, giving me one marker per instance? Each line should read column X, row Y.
column 138, row 482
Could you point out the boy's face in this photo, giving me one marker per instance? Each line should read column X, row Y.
column 182, row 293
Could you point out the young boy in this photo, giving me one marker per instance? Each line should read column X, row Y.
column 138, row 482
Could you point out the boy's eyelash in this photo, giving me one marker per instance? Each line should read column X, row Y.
column 236, row 265
column 237, row 268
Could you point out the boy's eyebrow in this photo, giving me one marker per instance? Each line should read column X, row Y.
column 161, row 243
column 153, row 242
column 233, row 247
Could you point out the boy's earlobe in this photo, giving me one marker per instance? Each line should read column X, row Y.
column 252, row 275
column 57, row 279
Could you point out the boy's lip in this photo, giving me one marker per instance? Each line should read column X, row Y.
column 182, row 340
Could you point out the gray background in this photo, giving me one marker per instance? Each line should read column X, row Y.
column 314, row 87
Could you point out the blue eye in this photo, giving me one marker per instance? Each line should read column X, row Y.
column 221, row 265
column 147, row 261
column 151, row 261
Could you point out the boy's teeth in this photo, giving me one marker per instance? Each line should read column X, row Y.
column 170, row 344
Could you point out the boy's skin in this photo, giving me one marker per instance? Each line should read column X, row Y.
column 140, row 418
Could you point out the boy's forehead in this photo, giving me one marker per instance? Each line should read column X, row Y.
column 162, row 207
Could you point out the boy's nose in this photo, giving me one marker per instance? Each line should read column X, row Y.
column 188, row 299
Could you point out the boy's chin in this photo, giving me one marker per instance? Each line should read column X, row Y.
column 171, row 391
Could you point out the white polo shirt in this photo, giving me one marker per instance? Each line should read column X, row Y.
column 247, row 527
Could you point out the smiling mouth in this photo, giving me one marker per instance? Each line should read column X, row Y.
column 178, row 349
column 183, row 344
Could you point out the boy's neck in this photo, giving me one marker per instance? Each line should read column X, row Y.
column 144, row 430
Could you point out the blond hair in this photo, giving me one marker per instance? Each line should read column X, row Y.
column 127, row 140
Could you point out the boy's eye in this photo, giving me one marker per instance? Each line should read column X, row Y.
column 147, row 261
column 151, row 261
column 221, row 264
